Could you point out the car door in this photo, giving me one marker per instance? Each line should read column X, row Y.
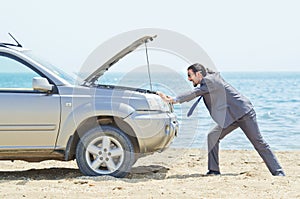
column 29, row 119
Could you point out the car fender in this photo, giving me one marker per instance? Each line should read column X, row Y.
column 88, row 110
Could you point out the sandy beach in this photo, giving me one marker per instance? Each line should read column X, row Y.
column 174, row 173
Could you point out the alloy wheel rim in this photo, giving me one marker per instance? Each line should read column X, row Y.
column 104, row 155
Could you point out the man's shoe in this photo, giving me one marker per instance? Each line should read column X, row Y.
column 279, row 173
column 211, row 172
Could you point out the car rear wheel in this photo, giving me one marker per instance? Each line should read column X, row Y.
column 105, row 150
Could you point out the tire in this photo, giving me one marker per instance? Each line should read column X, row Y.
column 105, row 150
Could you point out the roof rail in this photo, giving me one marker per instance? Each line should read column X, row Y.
column 6, row 45
column 9, row 44
column 3, row 45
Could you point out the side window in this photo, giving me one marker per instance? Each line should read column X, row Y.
column 15, row 76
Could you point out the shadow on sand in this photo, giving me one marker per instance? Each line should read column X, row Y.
column 139, row 173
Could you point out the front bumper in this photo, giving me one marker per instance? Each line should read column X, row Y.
column 154, row 130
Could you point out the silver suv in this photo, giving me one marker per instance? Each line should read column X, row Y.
column 45, row 115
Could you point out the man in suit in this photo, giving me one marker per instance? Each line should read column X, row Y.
column 230, row 110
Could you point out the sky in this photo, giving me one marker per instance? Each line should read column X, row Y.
column 256, row 35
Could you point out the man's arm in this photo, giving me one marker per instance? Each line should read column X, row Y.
column 188, row 96
column 185, row 97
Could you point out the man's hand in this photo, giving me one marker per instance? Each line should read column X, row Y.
column 162, row 95
column 165, row 97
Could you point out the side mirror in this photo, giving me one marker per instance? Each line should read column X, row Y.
column 41, row 84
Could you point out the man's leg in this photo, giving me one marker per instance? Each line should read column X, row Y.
column 213, row 139
column 249, row 125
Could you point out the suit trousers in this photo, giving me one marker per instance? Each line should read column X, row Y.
column 249, row 126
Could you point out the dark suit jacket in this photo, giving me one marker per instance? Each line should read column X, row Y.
column 224, row 103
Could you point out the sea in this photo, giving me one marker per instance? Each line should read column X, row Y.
column 275, row 96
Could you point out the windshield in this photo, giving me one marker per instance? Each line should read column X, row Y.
column 54, row 69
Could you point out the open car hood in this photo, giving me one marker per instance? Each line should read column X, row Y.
column 90, row 80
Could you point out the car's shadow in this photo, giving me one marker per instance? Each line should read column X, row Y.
column 41, row 174
column 140, row 173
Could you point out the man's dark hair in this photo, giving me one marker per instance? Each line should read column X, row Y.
column 197, row 68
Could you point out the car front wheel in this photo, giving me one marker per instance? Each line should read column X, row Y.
column 105, row 150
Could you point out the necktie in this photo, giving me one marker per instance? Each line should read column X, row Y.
column 193, row 107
